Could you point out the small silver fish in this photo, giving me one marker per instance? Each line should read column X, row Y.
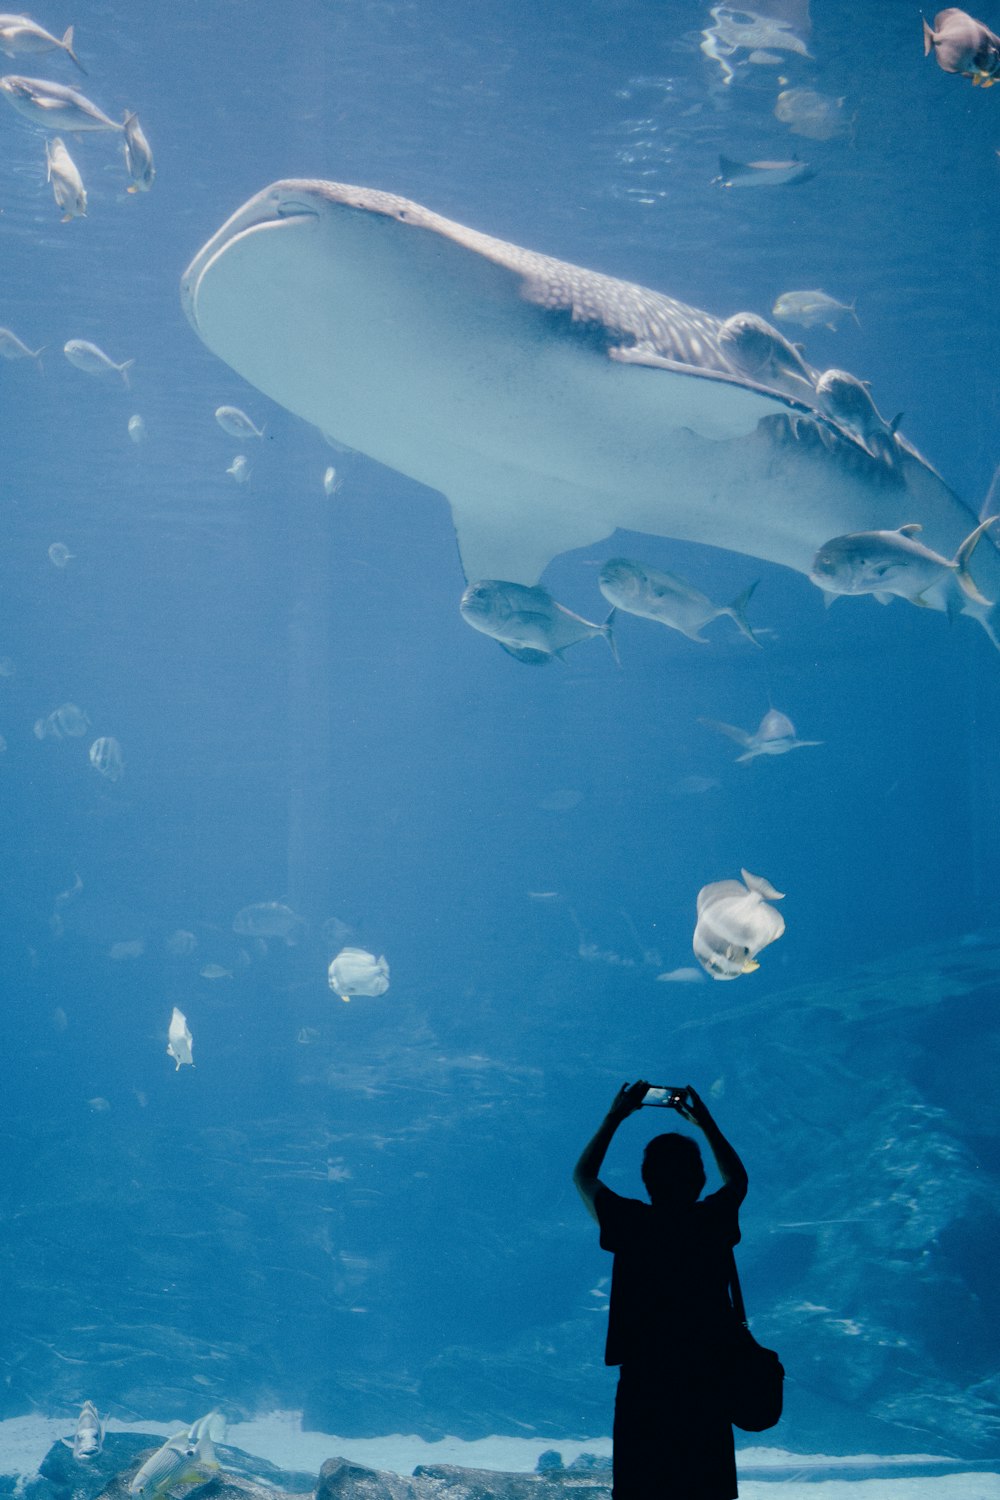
column 137, row 429
column 53, row 106
column 138, row 156
column 848, row 402
column 527, row 622
column 239, row 469
column 810, row 309
column 236, row 422
column 774, row 735
column 179, row 1040
column 964, row 45
column 734, row 923
column 67, row 184
column 21, row 34
column 892, row 563
column 11, row 347
column 93, row 361
column 757, row 174
column 88, row 1439
column 655, row 595
column 331, row 481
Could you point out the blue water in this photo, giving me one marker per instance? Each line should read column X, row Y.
column 376, row 1225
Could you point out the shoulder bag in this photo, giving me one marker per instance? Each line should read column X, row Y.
column 754, row 1376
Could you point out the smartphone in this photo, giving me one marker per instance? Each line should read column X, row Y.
column 665, row 1096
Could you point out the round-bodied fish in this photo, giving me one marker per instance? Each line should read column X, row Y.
column 734, row 923
column 67, row 184
column 179, row 1040
column 655, row 595
column 354, row 971
column 894, row 564
column 964, row 45
column 269, row 919
column 236, row 422
column 848, row 402
column 527, row 622
column 53, row 106
column 93, row 361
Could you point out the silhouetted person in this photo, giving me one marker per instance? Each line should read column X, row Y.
column 670, row 1317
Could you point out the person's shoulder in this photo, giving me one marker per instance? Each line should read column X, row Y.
column 721, row 1209
column 616, row 1215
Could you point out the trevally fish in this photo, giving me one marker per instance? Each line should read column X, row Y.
column 53, row 106
column 734, row 924
column 11, row 347
column 354, row 971
column 138, row 155
column 811, row 308
column 236, row 422
column 888, row 563
column 22, row 34
column 88, row 1439
column 774, row 735
column 758, row 174
column 849, row 402
column 67, row 184
column 587, row 403
column 964, row 45
column 93, row 361
column 756, row 350
column 179, row 1040
column 527, row 622
column 655, row 595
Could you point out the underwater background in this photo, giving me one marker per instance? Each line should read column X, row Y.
column 364, row 1212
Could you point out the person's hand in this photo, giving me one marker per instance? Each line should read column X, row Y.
column 691, row 1107
column 628, row 1099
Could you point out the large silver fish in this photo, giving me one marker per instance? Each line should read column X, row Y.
column 528, row 623
column 53, row 106
column 22, row 34
column 549, row 403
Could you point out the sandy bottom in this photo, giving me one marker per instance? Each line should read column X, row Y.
column 279, row 1437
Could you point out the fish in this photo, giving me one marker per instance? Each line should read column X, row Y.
column 60, row 555
column 93, row 361
column 239, row 469
column 894, row 564
column 88, row 1439
column 53, row 106
column 105, row 756
column 21, row 34
column 963, row 45
column 179, row 1040
column 66, row 720
column 527, row 622
column 169, row 1465
column 819, row 117
column 236, row 422
column 356, row 972
column 137, row 429
column 138, row 155
column 587, row 403
column 215, row 971
column 734, row 923
column 204, row 1434
column 672, row 601
column 67, row 184
column 774, row 735
column 331, row 481
column 181, row 942
column 269, row 919
column 681, row 976
column 757, row 351
column 11, row 347
column 132, row 948
column 849, row 403
column 758, row 174
column 809, row 309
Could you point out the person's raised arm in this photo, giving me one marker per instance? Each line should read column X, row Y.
column 731, row 1169
column 585, row 1174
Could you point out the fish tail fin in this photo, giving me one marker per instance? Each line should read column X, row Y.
column 991, row 504
column 930, row 39
column 608, row 632
column 37, row 357
column 739, row 735
column 123, row 369
column 67, row 46
column 964, row 578
column 761, row 886
column 852, row 308
column 735, row 611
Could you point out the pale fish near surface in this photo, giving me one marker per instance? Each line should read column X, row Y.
column 179, row 1040
column 236, row 422
column 818, row 117
column 138, row 156
column 774, row 735
column 809, row 309
column 331, row 481
column 734, row 924
column 527, row 622
column 137, row 429
column 894, row 564
column 668, row 599
column 11, row 347
column 60, row 555
column 106, row 757
column 964, row 45
column 215, row 971
column 354, row 971
column 269, row 919
column 93, row 361
column 67, row 719
column 67, row 184
column 681, row 976
column 88, row 1439
column 53, row 106
column 760, row 174
column 240, row 469
column 21, row 34
column 588, row 403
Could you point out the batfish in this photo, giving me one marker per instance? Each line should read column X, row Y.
column 550, row 404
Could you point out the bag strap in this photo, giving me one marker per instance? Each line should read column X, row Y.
column 736, row 1291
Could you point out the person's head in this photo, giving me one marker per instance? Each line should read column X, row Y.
column 672, row 1170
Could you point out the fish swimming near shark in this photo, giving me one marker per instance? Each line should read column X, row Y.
column 964, row 45
column 53, row 106
column 527, row 622
column 655, row 595
column 549, row 403
column 892, row 564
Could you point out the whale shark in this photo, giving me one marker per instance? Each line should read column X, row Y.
column 550, row 404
